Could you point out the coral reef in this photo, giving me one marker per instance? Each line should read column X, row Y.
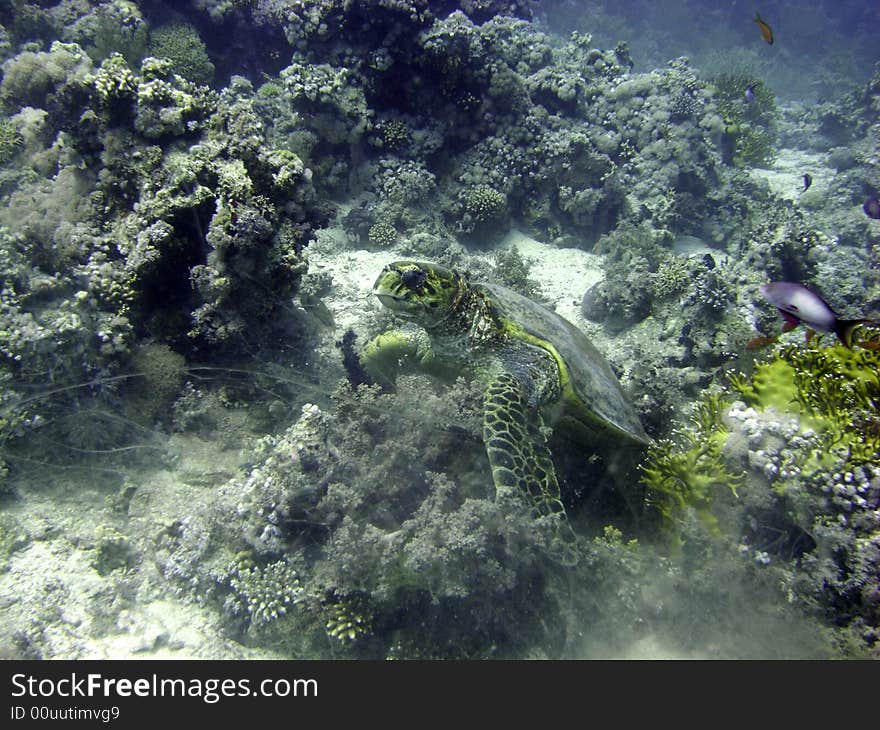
column 802, row 455
column 151, row 208
column 558, row 134
column 359, row 499
column 164, row 171
column 688, row 475
column 750, row 131
column 11, row 140
column 180, row 44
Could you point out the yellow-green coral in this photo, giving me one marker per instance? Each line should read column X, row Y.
column 10, row 140
column 833, row 390
column 265, row 591
column 484, row 203
column 346, row 621
column 382, row 234
column 115, row 81
column 672, row 277
column 688, row 472
column 180, row 43
column 394, row 134
column 750, row 131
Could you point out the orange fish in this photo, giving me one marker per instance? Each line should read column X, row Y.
column 760, row 342
column 766, row 30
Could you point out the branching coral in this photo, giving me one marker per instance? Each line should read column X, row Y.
column 825, row 476
column 688, row 472
column 808, row 444
column 345, row 619
column 382, row 235
column 263, row 592
column 11, row 140
column 673, row 275
column 167, row 106
column 834, row 391
column 115, row 81
column 131, row 233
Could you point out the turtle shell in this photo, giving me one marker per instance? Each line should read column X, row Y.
column 588, row 382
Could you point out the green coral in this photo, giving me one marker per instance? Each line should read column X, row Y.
column 813, row 413
column 264, row 592
column 394, row 134
column 382, row 234
column 484, row 204
column 688, row 472
column 270, row 90
column 750, row 132
column 672, row 277
column 11, row 140
column 115, row 82
column 180, row 44
column 834, row 391
column 346, row 620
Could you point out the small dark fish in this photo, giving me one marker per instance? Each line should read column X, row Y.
column 766, row 30
column 799, row 305
column 750, row 94
column 808, row 180
column 872, row 207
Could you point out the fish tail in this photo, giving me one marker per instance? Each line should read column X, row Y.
column 844, row 329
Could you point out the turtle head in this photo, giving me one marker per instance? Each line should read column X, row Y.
column 423, row 293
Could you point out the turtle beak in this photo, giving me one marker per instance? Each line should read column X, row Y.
column 390, row 292
column 386, row 283
column 387, row 300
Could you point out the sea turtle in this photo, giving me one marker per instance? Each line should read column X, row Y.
column 537, row 368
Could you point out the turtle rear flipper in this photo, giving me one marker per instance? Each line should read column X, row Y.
column 522, row 467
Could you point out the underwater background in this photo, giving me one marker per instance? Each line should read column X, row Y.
column 197, row 198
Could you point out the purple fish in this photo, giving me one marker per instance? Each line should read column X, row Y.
column 872, row 207
column 799, row 305
column 750, row 94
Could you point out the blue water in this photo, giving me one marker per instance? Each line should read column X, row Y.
column 820, row 49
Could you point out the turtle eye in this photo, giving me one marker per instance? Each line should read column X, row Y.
column 413, row 279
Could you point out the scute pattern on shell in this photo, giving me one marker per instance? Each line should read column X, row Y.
column 593, row 381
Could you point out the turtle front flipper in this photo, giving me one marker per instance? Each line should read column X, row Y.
column 394, row 352
column 522, row 467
